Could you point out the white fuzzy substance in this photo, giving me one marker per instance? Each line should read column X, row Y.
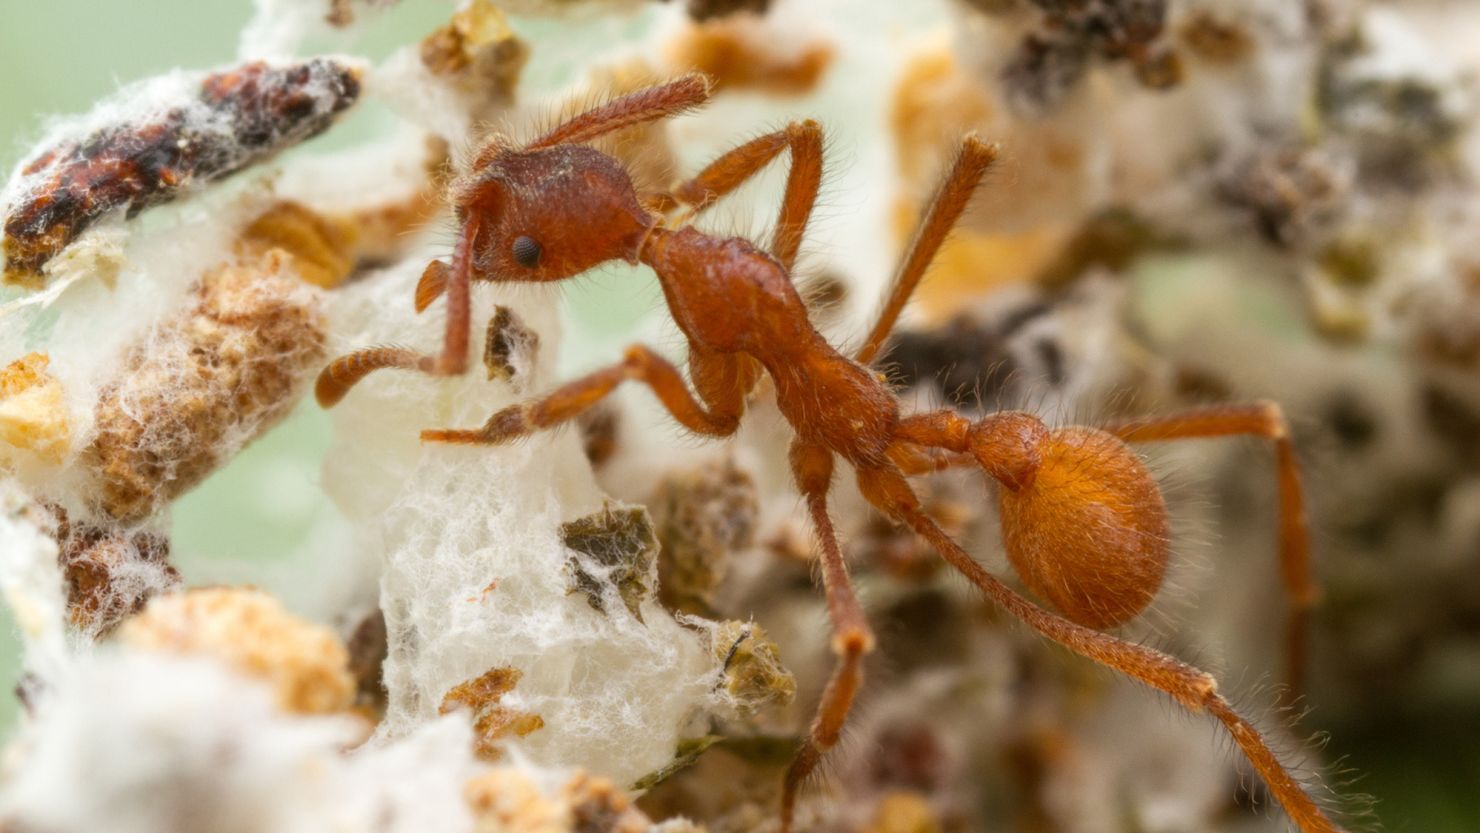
column 474, row 570
column 185, row 745
column 32, row 582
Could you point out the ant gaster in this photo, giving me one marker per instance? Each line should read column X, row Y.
column 1084, row 523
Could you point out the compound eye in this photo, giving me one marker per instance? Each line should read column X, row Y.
column 527, row 251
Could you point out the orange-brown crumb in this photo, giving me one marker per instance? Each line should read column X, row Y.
column 33, row 417
column 492, row 721
column 305, row 664
column 479, row 53
column 739, row 53
column 903, row 812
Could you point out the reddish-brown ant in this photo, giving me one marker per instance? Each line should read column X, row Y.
column 1083, row 521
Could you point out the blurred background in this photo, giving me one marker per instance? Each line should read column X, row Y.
column 1420, row 756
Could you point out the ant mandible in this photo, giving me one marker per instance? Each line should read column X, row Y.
column 1083, row 522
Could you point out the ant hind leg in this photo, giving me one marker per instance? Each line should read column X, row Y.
column 1266, row 420
column 1194, row 689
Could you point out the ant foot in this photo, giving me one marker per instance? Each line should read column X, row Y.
column 504, row 425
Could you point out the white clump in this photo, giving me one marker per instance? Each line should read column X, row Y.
column 185, row 745
column 474, row 572
column 32, row 582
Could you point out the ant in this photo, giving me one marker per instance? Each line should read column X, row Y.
column 1083, row 522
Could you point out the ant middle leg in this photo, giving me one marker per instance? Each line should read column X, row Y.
column 1194, row 689
column 812, row 467
column 733, row 168
column 568, row 401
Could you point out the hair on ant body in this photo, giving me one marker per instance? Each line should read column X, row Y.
column 1083, row 521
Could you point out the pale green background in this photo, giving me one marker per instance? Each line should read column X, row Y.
column 59, row 56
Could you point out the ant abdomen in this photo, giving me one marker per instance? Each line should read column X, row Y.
column 1083, row 522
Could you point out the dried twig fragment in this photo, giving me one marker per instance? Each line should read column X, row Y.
column 492, row 720
column 110, row 574
column 701, row 516
column 203, row 385
column 685, row 756
column 305, row 663
column 237, row 117
column 622, row 543
column 33, row 417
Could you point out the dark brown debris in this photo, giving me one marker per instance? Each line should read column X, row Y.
column 110, row 574
column 509, row 349
column 237, row 118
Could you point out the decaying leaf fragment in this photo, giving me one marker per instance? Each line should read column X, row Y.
column 236, row 118
column 623, row 546
column 753, row 674
column 492, row 720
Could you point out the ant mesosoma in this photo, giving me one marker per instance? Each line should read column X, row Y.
column 1083, row 521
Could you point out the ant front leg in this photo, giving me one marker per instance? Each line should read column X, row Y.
column 1266, row 420
column 1193, row 688
column 729, row 171
column 568, row 401
column 345, row 372
column 812, row 466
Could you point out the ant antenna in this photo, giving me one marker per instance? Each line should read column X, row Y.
column 647, row 105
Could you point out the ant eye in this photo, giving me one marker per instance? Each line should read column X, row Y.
column 527, row 251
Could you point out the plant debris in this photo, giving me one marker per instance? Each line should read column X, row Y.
column 621, row 546
column 238, row 117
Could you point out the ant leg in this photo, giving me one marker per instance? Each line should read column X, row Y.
column 1267, row 420
column 946, row 207
column 345, row 372
column 944, row 429
column 568, row 401
column 1196, row 690
column 730, row 170
column 812, row 467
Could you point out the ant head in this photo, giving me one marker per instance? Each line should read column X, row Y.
column 557, row 208
column 551, row 213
